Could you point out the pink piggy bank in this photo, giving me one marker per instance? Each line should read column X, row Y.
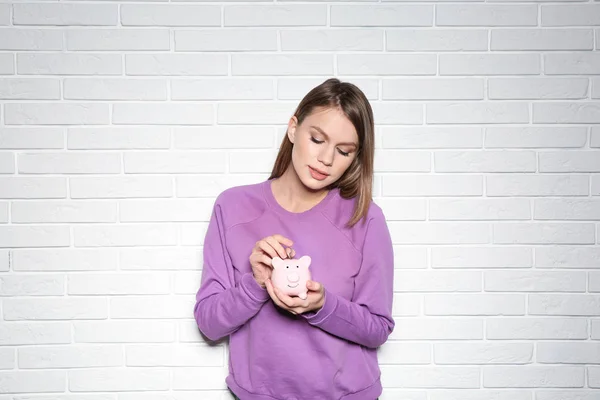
column 290, row 275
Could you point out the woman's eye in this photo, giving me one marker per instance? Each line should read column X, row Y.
column 343, row 153
column 315, row 140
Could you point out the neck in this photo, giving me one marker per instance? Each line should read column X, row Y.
column 293, row 195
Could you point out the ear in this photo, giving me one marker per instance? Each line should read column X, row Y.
column 291, row 130
column 305, row 261
column 276, row 261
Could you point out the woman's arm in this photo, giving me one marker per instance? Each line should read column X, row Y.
column 221, row 306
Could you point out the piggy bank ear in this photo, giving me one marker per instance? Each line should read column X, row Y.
column 304, row 261
column 277, row 262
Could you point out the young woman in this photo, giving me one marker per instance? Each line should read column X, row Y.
column 318, row 203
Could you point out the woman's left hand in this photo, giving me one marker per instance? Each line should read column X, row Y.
column 313, row 302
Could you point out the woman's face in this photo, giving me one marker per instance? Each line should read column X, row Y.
column 325, row 145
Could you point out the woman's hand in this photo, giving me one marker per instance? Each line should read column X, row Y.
column 313, row 302
column 263, row 252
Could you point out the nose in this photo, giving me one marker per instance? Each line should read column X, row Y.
column 326, row 156
column 293, row 277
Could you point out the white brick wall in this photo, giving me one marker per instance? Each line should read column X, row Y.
column 120, row 122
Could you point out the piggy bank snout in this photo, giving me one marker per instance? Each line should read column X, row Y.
column 293, row 277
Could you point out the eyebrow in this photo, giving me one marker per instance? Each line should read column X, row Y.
column 327, row 136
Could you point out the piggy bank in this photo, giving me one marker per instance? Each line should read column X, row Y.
column 290, row 275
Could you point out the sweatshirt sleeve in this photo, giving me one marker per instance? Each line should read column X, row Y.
column 367, row 318
column 221, row 305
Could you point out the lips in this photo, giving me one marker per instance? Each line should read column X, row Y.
column 316, row 174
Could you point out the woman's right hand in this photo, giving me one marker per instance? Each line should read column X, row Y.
column 264, row 251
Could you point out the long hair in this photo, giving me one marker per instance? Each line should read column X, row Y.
column 357, row 181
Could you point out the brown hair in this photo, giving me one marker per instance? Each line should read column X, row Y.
column 357, row 181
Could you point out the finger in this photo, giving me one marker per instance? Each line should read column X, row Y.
column 277, row 246
column 267, row 248
column 290, row 302
column 271, row 290
column 283, row 240
column 314, row 286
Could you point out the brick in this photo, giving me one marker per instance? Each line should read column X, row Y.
column 114, row 331
column 21, row 187
column 176, row 64
column 175, row 162
column 70, row 356
column 56, row 114
column 174, row 355
column 32, row 285
column 433, row 89
column 566, row 209
column 275, row 15
column 31, row 138
column 34, row 333
column 405, row 353
column 220, row 40
column 31, row 39
column 114, row 89
column 255, row 161
column 432, row 185
column 543, row 233
column 187, row 378
column 160, row 259
column 439, row 233
column 281, row 64
column 432, row 328
column 431, row 137
column 440, row 39
column 437, row 281
column 125, row 235
column 64, row 211
column 222, row 89
column 567, row 257
column 154, row 307
column 533, row 376
column 33, row 381
column 381, row 15
column 485, row 161
column 118, row 39
column 117, row 284
column 570, row 15
column 538, row 88
column 297, row 88
column 564, row 304
column 65, row 14
column 536, row 328
column 387, row 64
column 486, row 15
column 475, row 304
column 118, row 138
column 223, row 137
column 483, row 353
column 568, row 353
column 179, row 210
column 331, row 40
column 535, row 137
column 481, row 257
column 7, row 163
column 69, row 64
column 428, row 377
column 534, row 281
column 7, row 64
column 573, row 63
column 537, row 185
column 34, row 236
column 489, row 64
column 401, row 160
column 479, row 209
column 54, row 308
column 69, row 163
column 566, row 112
column 118, row 379
column 254, row 113
column 162, row 114
column 65, row 260
column 403, row 209
column 580, row 161
column 170, row 15
column 8, row 358
column 542, row 39
column 107, row 187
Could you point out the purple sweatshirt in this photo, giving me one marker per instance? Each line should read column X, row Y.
column 329, row 354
